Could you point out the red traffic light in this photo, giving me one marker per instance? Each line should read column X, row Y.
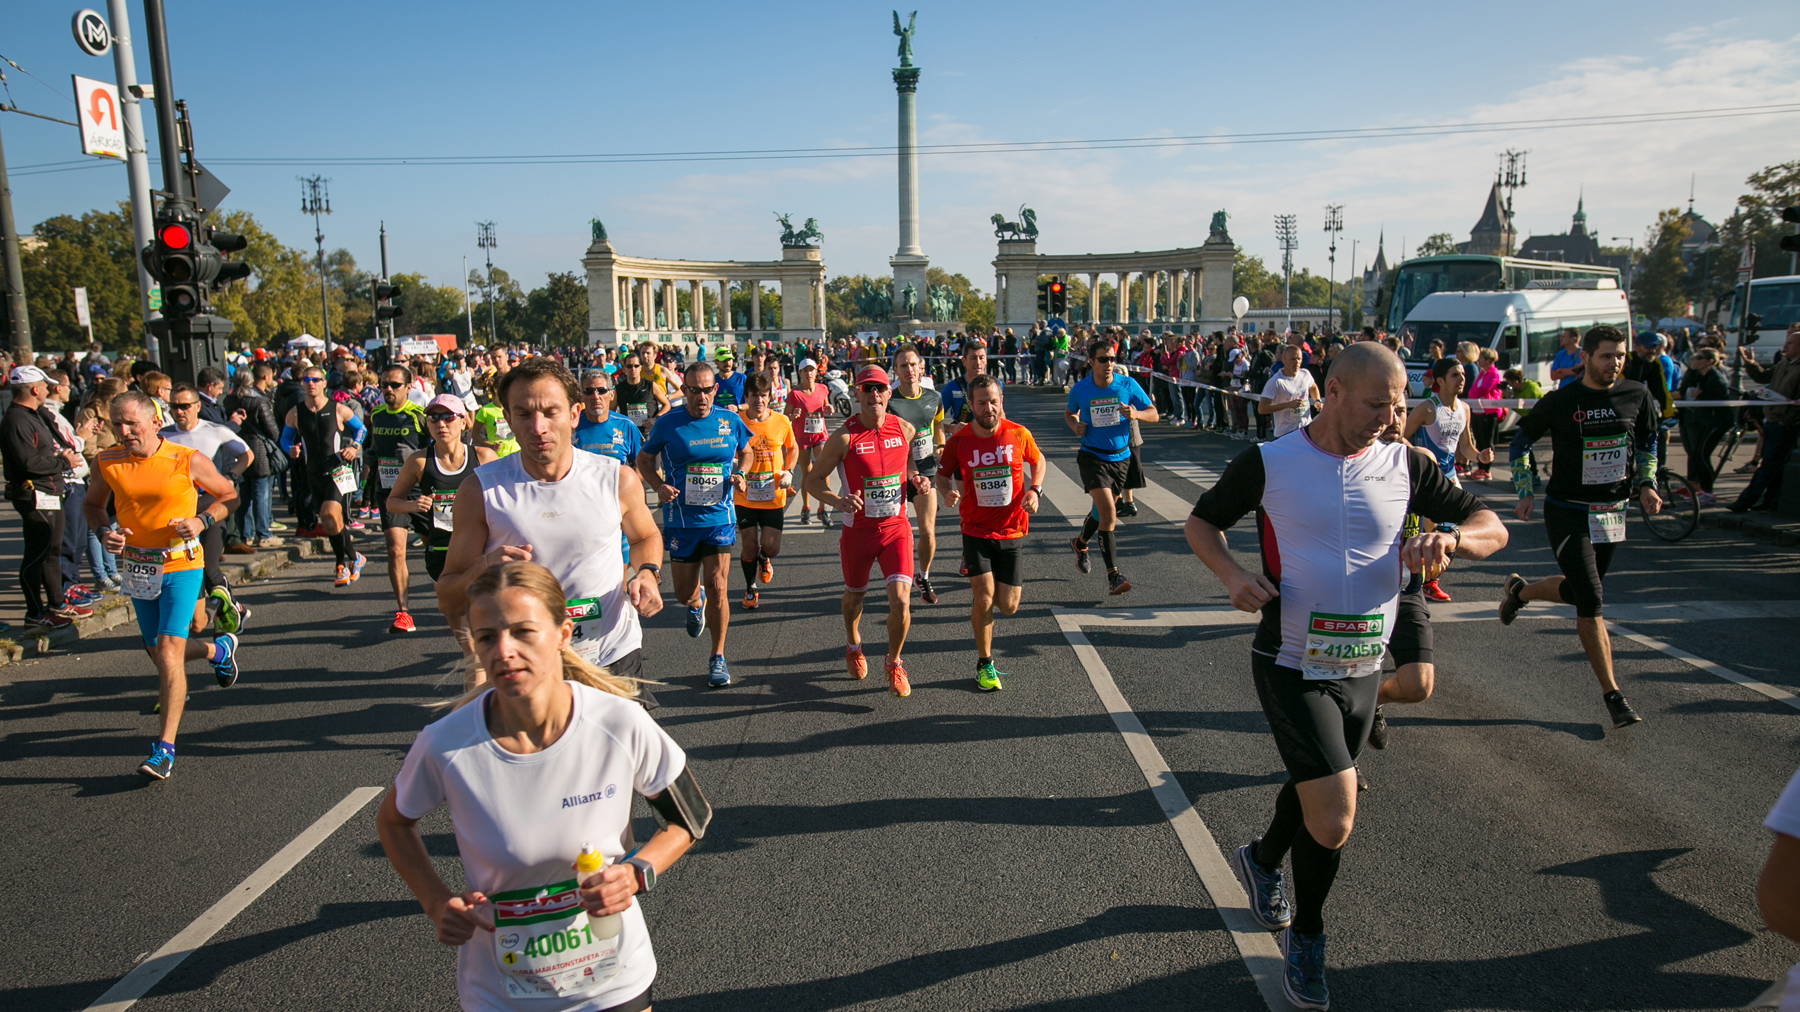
column 1056, row 287
column 174, row 236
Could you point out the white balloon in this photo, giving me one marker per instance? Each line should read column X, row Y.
column 1240, row 306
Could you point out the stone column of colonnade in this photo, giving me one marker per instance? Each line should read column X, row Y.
column 697, row 303
column 726, row 323
column 755, row 305
column 1122, row 310
column 1093, row 313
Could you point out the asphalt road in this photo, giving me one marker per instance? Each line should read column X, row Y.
column 959, row 849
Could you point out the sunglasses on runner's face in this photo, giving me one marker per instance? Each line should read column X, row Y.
column 592, row 391
column 393, row 386
column 183, row 405
column 441, row 417
column 312, row 379
column 701, row 390
column 1104, row 358
column 874, row 388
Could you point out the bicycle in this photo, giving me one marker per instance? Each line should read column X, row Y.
column 1680, row 508
column 1742, row 428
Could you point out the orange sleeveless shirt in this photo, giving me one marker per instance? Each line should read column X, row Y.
column 148, row 494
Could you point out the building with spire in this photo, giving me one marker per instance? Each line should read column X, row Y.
column 1493, row 235
column 1576, row 246
column 1374, row 278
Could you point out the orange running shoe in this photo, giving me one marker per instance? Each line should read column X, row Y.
column 857, row 664
column 751, row 600
column 896, row 674
column 765, row 571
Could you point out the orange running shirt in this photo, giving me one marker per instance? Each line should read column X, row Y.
column 772, row 443
column 148, row 494
column 992, row 471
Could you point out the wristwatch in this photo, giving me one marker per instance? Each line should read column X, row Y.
column 1037, row 489
column 1451, row 529
column 654, row 569
column 645, row 873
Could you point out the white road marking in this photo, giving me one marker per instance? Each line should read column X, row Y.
column 1065, row 493
column 1192, row 470
column 1173, row 508
column 132, row 986
column 1254, row 944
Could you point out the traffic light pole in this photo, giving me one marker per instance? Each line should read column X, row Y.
column 384, row 276
column 20, row 337
column 137, row 162
column 168, row 138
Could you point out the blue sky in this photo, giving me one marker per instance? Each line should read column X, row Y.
column 304, row 82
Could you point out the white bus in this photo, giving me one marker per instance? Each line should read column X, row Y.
column 1523, row 326
column 1777, row 301
column 1420, row 277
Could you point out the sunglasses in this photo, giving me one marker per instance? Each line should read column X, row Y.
column 183, row 405
column 312, row 379
column 591, row 391
column 393, row 386
column 441, row 417
column 874, row 388
column 701, row 390
column 1105, row 358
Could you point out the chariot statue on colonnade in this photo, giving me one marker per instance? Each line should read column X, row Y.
column 1025, row 228
column 792, row 238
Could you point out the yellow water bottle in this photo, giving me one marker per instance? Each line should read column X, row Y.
column 590, row 862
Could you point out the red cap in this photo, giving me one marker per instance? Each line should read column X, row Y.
column 872, row 374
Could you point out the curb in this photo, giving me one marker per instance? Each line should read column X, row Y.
column 1785, row 535
column 113, row 609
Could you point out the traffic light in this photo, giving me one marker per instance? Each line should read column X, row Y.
column 228, row 270
column 1059, row 299
column 1044, row 299
column 385, row 292
column 1791, row 243
column 186, row 258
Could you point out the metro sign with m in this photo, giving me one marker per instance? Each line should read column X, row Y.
column 102, row 127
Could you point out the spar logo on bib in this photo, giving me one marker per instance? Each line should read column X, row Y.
column 1347, row 625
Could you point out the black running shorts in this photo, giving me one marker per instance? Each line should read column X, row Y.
column 1583, row 563
column 751, row 516
column 376, row 496
column 1319, row 726
column 1411, row 641
column 1118, row 475
column 994, row 555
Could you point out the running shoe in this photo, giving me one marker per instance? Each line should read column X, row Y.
column 111, row 586
column 354, row 525
column 1707, row 499
column 927, row 593
column 805, row 517
column 1127, row 508
column 356, row 567
column 1433, row 592
column 896, row 676
column 1510, row 601
column 1116, row 583
column 160, row 764
column 1303, row 976
column 276, row 525
column 752, row 600
column 1622, row 713
column 987, row 677
column 824, row 517
column 226, row 621
column 717, row 674
column 1082, row 562
column 73, row 611
column 696, row 617
column 403, row 622
column 1267, row 890
column 342, row 579
column 962, row 567
column 269, row 542
column 765, row 571
column 225, row 669
column 76, row 590
column 856, row 663
column 48, row 620
column 1378, row 730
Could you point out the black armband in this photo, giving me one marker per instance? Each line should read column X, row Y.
column 682, row 804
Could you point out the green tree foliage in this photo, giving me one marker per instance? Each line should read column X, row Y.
column 1757, row 217
column 557, row 314
column 1437, row 245
column 1657, row 290
column 427, row 308
column 98, row 252
column 1255, row 282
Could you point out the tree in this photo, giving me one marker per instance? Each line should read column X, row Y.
column 1437, row 245
column 428, row 308
column 1253, row 281
column 98, row 252
column 558, row 311
column 1758, row 218
column 1657, row 290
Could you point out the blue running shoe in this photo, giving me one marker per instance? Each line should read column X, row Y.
column 225, row 669
column 1267, row 889
column 696, row 620
column 1303, row 975
column 160, row 764
column 717, row 674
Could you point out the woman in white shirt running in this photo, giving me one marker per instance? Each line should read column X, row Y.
column 539, row 766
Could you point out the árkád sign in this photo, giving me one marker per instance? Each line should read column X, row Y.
column 97, row 108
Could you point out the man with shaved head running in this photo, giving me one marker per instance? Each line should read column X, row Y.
column 1330, row 505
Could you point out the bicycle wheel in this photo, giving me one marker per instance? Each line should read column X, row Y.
column 1727, row 447
column 1680, row 510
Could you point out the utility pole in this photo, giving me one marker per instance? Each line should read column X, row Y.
column 468, row 310
column 1287, row 233
column 1353, row 293
column 19, row 339
column 137, row 162
column 1630, row 260
column 1334, row 224
column 315, row 200
column 384, row 277
column 485, row 239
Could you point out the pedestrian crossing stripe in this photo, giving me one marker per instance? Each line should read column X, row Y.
column 1191, row 470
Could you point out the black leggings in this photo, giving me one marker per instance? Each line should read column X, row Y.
column 40, row 571
column 1481, row 430
column 1701, row 442
column 1583, row 563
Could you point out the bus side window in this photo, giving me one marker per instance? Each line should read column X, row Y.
column 1509, row 347
column 1543, row 340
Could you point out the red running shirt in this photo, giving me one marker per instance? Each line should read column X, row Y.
column 875, row 465
column 992, row 471
column 807, row 412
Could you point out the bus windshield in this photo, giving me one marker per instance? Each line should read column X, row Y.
column 1777, row 302
column 1424, row 276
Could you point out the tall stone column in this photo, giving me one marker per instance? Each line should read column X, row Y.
column 909, row 261
column 1124, row 300
column 726, row 323
column 1093, row 313
column 1217, row 258
column 755, row 307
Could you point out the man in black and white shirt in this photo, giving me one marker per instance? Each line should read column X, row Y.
column 1330, row 503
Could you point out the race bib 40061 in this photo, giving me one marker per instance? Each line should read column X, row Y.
column 545, row 944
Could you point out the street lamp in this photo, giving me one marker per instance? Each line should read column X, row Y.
column 1287, row 233
column 485, row 240
column 1334, row 224
column 1630, row 261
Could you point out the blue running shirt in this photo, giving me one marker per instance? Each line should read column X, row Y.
column 1112, row 439
column 697, row 457
column 615, row 437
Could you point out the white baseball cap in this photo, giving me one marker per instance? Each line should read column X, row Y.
column 27, row 374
